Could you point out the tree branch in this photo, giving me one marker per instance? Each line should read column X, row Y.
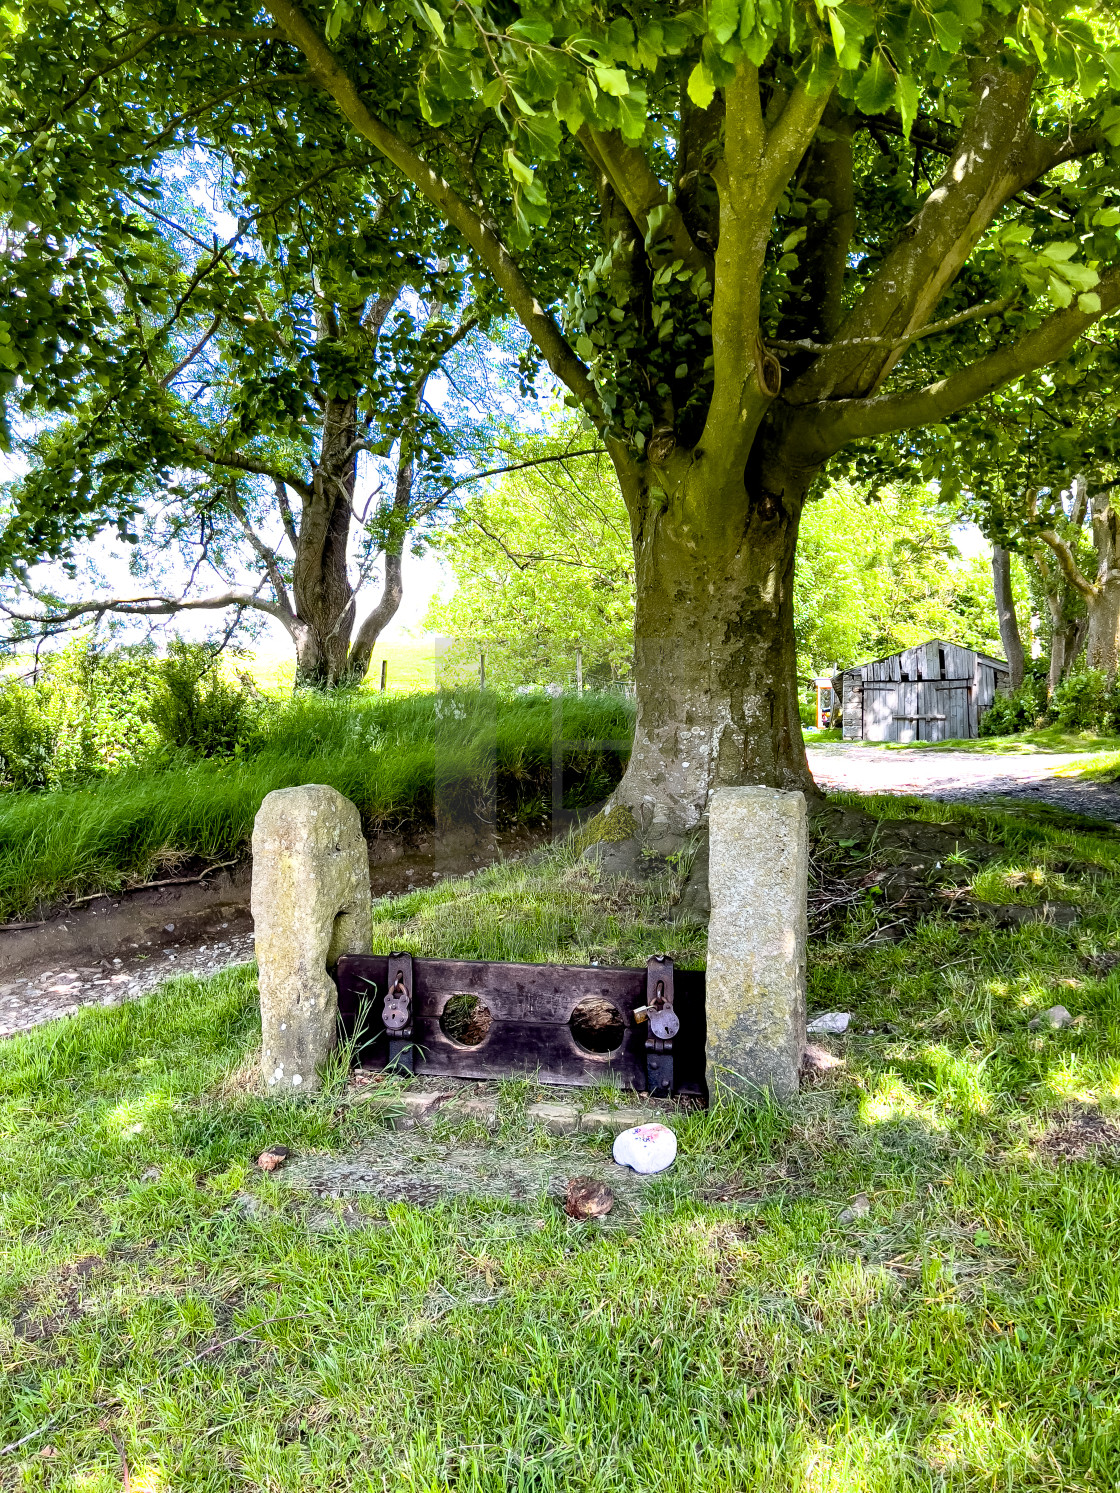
column 989, row 308
column 150, row 606
column 266, row 556
column 640, row 190
column 1067, row 563
column 194, row 352
column 568, row 368
column 755, row 170
column 246, row 464
column 286, row 513
column 996, row 154
column 827, row 426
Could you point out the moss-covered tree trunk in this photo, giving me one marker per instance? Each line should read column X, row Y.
column 714, row 652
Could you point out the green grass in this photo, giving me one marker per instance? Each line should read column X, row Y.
column 398, row 758
column 1045, row 739
column 964, row 1335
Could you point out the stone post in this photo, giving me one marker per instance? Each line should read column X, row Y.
column 311, row 903
column 758, row 879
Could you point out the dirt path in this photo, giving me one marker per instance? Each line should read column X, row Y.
column 969, row 776
column 116, row 948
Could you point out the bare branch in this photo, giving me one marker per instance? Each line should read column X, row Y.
column 286, row 513
column 246, row 464
column 148, row 606
column 989, row 308
column 561, row 358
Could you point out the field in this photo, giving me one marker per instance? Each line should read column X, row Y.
column 905, row 1281
column 410, row 667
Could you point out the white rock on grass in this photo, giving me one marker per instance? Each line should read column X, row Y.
column 831, row 1023
column 646, row 1148
column 1056, row 1016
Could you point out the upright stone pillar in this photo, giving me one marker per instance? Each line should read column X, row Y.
column 311, row 903
column 758, row 879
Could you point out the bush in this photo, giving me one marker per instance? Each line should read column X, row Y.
column 1088, row 701
column 86, row 714
column 198, row 712
column 1020, row 709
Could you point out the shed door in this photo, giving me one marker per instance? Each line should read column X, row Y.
column 880, row 709
column 951, row 704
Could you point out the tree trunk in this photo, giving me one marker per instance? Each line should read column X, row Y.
column 714, row 652
column 1104, row 627
column 1005, row 610
column 1104, row 606
column 324, row 597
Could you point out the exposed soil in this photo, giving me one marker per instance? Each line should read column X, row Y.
column 1084, row 1136
column 119, row 946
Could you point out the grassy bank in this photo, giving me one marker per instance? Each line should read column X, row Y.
column 169, row 1311
column 400, row 759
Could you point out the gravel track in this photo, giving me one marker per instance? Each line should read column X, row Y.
column 970, row 777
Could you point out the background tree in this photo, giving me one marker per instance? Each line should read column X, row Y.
column 294, row 359
column 1037, row 465
column 543, row 564
column 776, row 275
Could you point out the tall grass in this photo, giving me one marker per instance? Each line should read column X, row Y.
column 399, row 759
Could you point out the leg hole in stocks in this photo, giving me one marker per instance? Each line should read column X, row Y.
column 465, row 1020
column 597, row 1025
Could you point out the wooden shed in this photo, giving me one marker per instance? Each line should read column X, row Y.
column 933, row 692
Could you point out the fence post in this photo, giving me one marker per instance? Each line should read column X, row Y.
column 579, row 671
column 482, row 670
column 758, row 879
column 311, row 903
column 384, row 674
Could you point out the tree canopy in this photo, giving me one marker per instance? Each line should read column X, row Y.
column 746, row 238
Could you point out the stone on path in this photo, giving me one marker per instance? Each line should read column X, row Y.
column 311, row 903
column 758, row 880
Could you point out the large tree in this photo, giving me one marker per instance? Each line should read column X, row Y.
column 743, row 237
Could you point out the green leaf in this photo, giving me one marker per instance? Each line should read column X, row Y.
column 542, row 133
column 1060, row 292
column 949, row 30
column 536, row 29
column 612, row 80
column 906, row 96
column 701, row 88
column 723, row 19
column 585, row 348
column 1090, row 303
column 518, row 169
column 435, row 20
column 876, row 89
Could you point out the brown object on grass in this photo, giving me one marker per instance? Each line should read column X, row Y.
column 275, row 1156
column 586, row 1198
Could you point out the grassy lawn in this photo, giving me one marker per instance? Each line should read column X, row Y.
column 399, row 758
column 168, row 1309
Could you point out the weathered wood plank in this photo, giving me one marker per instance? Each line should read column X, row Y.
column 530, row 1007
